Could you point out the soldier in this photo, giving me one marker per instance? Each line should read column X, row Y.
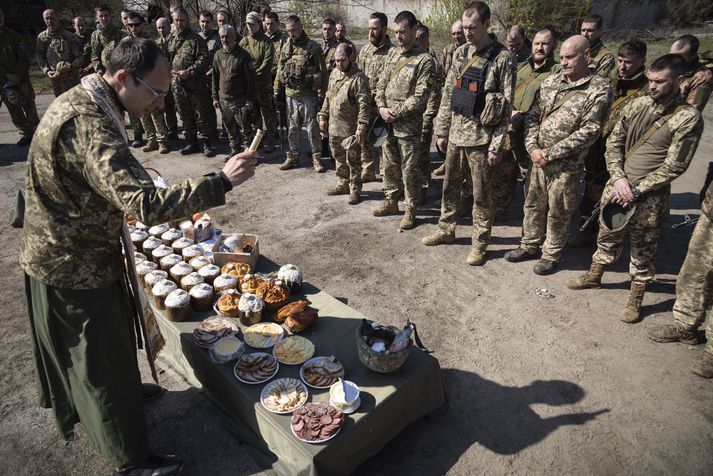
column 341, row 35
column 83, row 36
column 17, row 93
column 530, row 75
column 329, row 42
column 302, row 73
column 694, row 292
column 518, row 43
column 222, row 18
column 125, row 13
column 233, row 85
column 371, row 61
column 163, row 27
column 271, row 22
column 59, row 54
column 188, row 54
column 212, row 40
column 698, row 83
column 402, row 93
column 104, row 37
column 601, row 60
column 564, row 121
column 631, row 82
column 651, row 145
column 79, row 309
column 346, row 114
column 471, row 128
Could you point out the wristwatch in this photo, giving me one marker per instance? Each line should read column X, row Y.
column 636, row 192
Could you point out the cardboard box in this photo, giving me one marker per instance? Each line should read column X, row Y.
column 252, row 258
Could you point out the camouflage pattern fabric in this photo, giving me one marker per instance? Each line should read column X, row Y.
column 328, row 50
column 348, row 163
column 232, row 112
column 347, row 103
column 101, row 38
column 429, row 115
column 212, row 40
column 402, row 173
column 697, row 85
column 602, row 61
column 54, row 48
column 278, row 39
column 447, row 57
column 300, row 68
column 524, row 54
column 302, row 111
column 15, row 58
column 154, row 123
column 262, row 51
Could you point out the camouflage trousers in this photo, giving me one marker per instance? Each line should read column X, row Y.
column 550, row 200
column 644, row 229
column 136, row 126
column 24, row 113
column 368, row 154
column 303, row 111
column 195, row 108
column 170, row 113
column 595, row 179
column 694, row 288
column 461, row 162
column 515, row 163
column 348, row 163
column 155, row 125
column 424, row 158
column 232, row 120
column 60, row 85
column 401, row 169
column 263, row 116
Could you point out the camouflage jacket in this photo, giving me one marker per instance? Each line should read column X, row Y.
column 624, row 91
column 347, row 104
column 371, row 61
column 328, row 50
column 707, row 206
column 566, row 130
column 602, row 61
column 212, row 41
column 407, row 90
column 434, row 97
column 85, row 44
column 188, row 51
column 81, row 180
column 262, row 52
column 100, row 40
column 233, row 78
column 14, row 55
column 665, row 155
column 447, row 57
column 529, row 79
column 314, row 66
column 697, row 86
column 60, row 46
column 278, row 39
column 465, row 131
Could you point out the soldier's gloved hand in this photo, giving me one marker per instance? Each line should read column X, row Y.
column 241, row 167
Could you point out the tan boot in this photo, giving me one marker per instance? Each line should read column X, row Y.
column 317, row 162
column 441, row 170
column 439, row 238
column 408, row 221
column 354, row 198
column 703, row 366
column 150, row 146
column 338, row 190
column 291, row 161
column 636, row 295
column 388, row 207
column 590, row 279
column 672, row 333
column 163, row 148
column 475, row 257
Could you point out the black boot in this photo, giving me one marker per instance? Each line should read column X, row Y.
column 154, row 466
column 191, row 148
column 138, row 140
column 207, row 149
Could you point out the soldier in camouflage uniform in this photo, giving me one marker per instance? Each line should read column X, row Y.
column 694, row 292
column 262, row 52
column 106, row 35
column 346, row 114
column 271, row 22
column 371, row 60
column 212, row 41
column 83, row 36
column 329, row 43
column 163, row 27
column 652, row 144
column 17, row 93
column 79, row 308
column 530, row 74
column 402, row 93
column 698, row 79
column 601, row 59
column 59, row 54
column 188, row 54
column 518, row 43
column 302, row 73
column 340, row 33
column 473, row 136
column 233, row 85
column 564, row 121
column 631, row 82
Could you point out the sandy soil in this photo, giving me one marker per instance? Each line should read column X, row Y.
column 536, row 385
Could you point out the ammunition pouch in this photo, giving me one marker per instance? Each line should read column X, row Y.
column 468, row 97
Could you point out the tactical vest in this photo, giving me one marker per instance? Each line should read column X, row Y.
column 468, row 98
column 298, row 73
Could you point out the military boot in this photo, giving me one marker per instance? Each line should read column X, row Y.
column 163, row 148
column 630, row 313
column 388, row 207
column 138, row 141
column 590, row 279
column 544, row 266
column 476, row 257
column 439, row 238
column 291, row 161
column 150, row 146
column 338, row 190
column 207, row 149
column 408, row 221
column 441, row 170
column 519, row 254
column 354, row 197
column 703, row 367
column 675, row 332
column 317, row 162
column 191, row 148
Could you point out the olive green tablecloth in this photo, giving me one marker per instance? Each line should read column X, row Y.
column 389, row 403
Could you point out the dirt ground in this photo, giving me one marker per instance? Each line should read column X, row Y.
column 536, row 385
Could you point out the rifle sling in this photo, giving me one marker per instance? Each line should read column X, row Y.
column 658, row 124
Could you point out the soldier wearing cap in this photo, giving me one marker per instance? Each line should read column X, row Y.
column 59, row 54
column 601, row 59
column 698, row 79
column 651, row 145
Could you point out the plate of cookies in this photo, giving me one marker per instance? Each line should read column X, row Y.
column 212, row 329
column 263, row 335
column 321, row 372
column 284, row 395
column 293, row 350
column 255, row 368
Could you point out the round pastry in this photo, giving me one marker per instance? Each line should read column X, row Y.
column 250, row 282
column 144, row 268
column 178, row 271
column 250, row 307
column 228, row 304
column 181, row 244
column 139, row 257
column 168, row 237
column 178, row 305
column 224, row 281
column 274, row 293
column 239, row 270
column 201, row 297
column 140, row 226
column 158, row 230
column 168, row 261
column 162, row 289
column 153, row 277
column 160, row 252
column 209, row 272
column 150, row 244
column 138, row 237
column 199, row 261
column 291, row 275
column 191, row 252
column 190, row 280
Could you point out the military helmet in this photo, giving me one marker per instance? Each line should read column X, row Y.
column 615, row 217
column 378, row 132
